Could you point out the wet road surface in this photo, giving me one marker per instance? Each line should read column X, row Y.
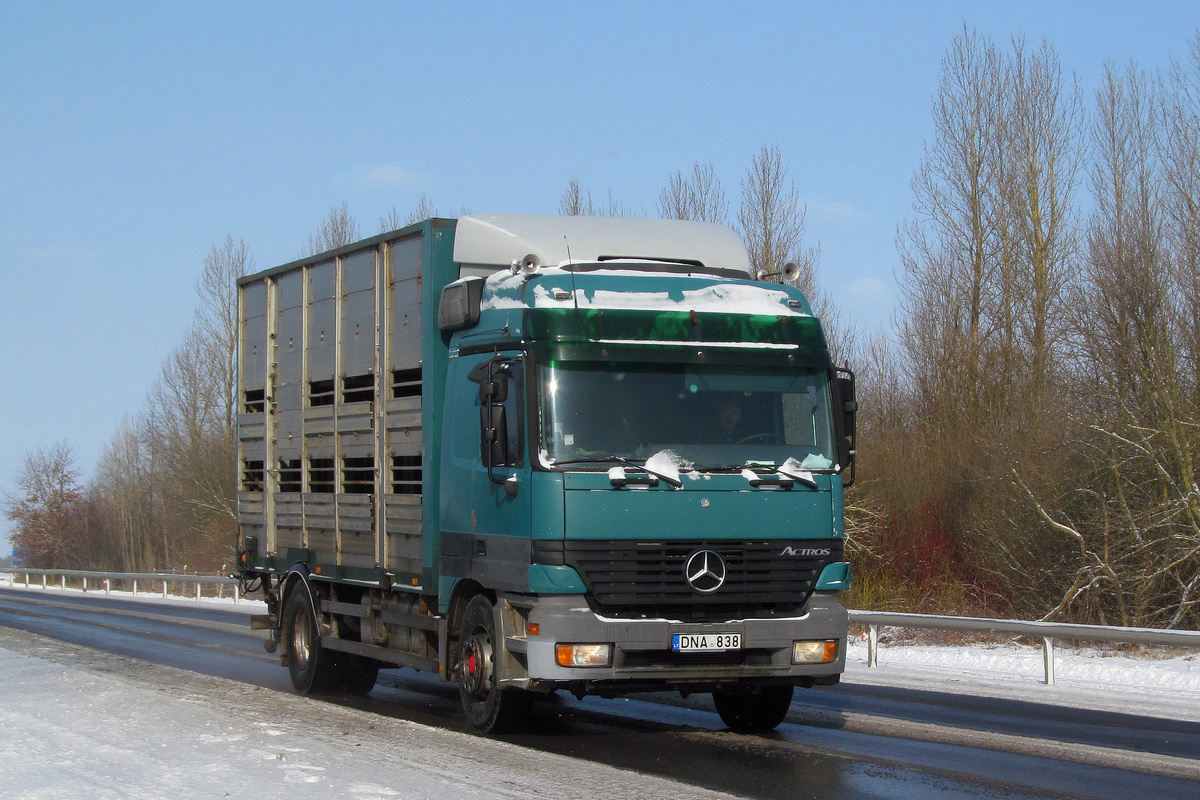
column 849, row 741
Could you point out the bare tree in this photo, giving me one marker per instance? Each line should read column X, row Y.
column 1180, row 153
column 393, row 221
column 576, row 202
column 1042, row 127
column 773, row 225
column 123, row 483
column 45, row 507
column 339, row 228
column 948, row 251
column 698, row 197
column 422, row 211
column 573, row 203
column 772, row 220
column 216, row 320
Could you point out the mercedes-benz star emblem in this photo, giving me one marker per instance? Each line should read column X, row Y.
column 705, row 571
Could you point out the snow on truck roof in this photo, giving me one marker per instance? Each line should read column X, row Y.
column 499, row 239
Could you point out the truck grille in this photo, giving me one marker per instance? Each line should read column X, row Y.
column 646, row 579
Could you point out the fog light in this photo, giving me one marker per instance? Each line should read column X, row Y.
column 583, row 655
column 814, row 652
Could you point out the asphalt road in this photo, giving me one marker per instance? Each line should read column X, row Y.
column 849, row 741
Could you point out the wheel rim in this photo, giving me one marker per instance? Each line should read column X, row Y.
column 301, row 641
column 476, row 676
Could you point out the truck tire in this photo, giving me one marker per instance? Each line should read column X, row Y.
column 313, row 669
column 359, row 674
column 487, row 707
column 762, row 710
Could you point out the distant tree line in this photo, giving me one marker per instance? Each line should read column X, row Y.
column 1029, row 424
column 162, row 492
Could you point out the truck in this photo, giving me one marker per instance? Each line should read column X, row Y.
column 532, row 453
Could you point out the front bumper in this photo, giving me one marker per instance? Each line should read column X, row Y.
column 642, row 658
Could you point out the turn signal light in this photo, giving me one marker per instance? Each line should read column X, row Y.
column 814, row 652
column 583, row 655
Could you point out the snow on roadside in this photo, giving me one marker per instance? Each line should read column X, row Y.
column 82, row 723
column 1150, row 683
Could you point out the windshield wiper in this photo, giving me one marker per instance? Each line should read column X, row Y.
column 601, row 460
column 763, row 473
column 662, row 476
column 628, row 462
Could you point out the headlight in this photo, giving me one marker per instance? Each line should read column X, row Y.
column 814, row 652
column 583, row 655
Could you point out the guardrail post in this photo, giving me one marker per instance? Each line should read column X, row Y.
column 872, row 645
column 135, row 587
column 1048, row 658
column 164, row 588
column 85, row 584
column 107, row 586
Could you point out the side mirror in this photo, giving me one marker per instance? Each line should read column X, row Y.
column 494, row 436
column 460, row 304
column 845, row 417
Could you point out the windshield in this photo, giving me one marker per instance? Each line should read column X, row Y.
column 711, row 417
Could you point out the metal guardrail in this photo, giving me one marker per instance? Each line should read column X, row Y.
column 1046, row 631
column 169, row 581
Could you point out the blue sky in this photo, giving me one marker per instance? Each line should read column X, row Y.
column 134, row 137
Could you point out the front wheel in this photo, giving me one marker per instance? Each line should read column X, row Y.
column 488, row 707
column 761, row 710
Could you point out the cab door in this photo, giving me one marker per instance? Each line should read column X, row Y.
column 486, row 491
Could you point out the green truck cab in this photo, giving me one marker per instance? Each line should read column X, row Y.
column 532, row 453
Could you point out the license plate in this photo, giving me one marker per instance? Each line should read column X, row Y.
column 702, row 642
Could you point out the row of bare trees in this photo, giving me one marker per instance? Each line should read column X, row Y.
column 162, row 492
column 1031, row 430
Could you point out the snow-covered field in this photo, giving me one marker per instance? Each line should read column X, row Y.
column 1151, row 682
column 81, row 723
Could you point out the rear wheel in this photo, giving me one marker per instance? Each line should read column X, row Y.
column 313, row 669
column 358, row 673
column 487, row 707
column 760, row 710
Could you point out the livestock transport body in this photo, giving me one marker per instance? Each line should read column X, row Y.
column 537, row 453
